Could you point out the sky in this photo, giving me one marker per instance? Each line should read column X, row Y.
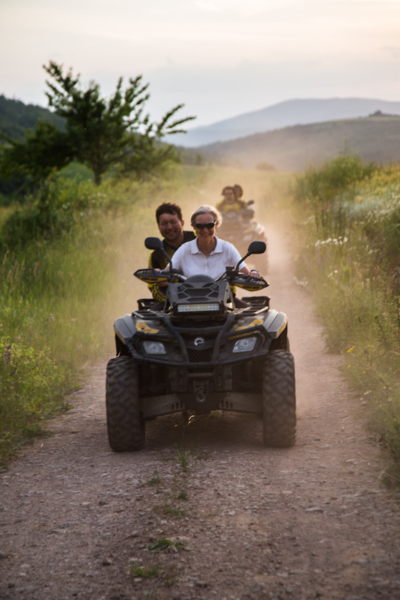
column 220, row 58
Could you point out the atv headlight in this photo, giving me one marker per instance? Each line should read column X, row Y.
column 154, row 348
column 245, row 344
column 209, row 307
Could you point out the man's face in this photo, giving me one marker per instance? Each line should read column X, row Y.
column 229, row 196
column 171, row 228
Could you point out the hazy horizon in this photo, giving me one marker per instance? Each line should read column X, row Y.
column 221, row 58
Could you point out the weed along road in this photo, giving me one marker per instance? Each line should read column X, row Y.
column 205, row 511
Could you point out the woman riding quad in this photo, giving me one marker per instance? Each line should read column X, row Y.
column 208, row 254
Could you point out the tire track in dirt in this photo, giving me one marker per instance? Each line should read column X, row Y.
column 311, row 521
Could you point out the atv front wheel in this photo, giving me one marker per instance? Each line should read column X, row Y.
column 279, row 400
column 125, row 423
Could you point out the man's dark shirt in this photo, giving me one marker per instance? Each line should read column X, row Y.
column 159, row 261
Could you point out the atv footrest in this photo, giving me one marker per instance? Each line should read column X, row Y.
column 257, row 301
column 146, row 303
column 242, row 402
column 155, row 406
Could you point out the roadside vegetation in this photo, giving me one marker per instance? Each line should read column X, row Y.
column 350, row 258
column 57, row 268
column 66, row 261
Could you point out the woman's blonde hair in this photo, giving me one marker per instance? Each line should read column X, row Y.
column 206, row 208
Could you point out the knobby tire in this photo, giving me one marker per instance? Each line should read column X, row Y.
column 279, row 400
column 125, row 423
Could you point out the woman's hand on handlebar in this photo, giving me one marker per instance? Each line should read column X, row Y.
column 161, row 283
column 253, row 272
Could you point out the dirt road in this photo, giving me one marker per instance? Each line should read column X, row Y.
column 245, row 522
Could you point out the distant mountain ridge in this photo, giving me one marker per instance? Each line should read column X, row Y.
column 285, row 114
column 16, row 117
column 375, row 138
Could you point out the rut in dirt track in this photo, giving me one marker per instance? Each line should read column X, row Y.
column 312, row 521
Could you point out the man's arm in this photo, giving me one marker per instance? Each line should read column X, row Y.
column 154, row 287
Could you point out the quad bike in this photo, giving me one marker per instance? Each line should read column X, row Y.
column 240, row 228
column 198, row 354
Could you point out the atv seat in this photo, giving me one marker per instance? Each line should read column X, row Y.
column 199, row 279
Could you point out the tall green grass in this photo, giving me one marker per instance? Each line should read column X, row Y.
column 351, row 259
column 66, row 263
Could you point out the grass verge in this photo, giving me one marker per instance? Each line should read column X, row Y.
column 350, row 257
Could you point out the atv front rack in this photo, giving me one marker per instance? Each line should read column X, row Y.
column 216, row 340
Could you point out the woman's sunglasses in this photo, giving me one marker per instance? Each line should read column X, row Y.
column 205, row 225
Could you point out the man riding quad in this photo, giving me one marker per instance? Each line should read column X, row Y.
column 170, row 224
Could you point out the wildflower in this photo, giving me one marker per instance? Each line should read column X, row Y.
column 350, row 349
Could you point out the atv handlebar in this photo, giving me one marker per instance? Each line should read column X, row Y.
column 248, row 282
column 151, row 275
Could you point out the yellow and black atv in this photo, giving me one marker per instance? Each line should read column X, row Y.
column 198, row 353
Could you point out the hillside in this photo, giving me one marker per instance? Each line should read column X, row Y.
column 375, row 138
column 285, row 114
column 15, row 117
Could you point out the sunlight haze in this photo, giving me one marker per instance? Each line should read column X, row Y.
column 219, row 57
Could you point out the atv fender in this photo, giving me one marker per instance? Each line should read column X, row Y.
column 275, row 323
column 125, row 328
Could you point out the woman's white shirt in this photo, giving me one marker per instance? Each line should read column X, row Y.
column 191, row 261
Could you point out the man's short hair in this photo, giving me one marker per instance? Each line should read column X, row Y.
column 227, row 187
column 170, row 208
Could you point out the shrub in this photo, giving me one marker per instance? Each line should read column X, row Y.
column 31, row 388
column 332, row 178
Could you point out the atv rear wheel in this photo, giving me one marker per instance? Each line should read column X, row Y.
column 279, row 400
column 125, row 424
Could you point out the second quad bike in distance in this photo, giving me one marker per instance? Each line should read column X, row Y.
column 241, row 228
column 200, row 354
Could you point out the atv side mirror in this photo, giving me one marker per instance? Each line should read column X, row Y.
column 153, row 243
column 256, row 248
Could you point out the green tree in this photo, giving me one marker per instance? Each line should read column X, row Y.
column 44, row 149
column 100, row 133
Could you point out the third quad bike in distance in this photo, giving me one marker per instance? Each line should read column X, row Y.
column 200, row 353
